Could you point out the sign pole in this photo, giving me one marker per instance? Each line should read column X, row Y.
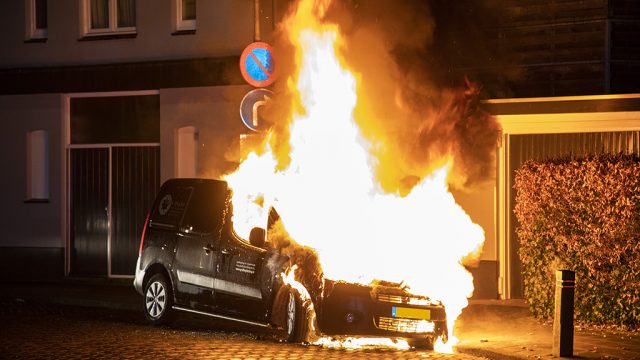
column 256, row 26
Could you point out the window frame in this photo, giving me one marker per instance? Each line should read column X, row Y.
column 32, row 31
column 113, row 29
column 180, row 25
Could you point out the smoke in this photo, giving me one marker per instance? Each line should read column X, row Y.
column 416, row 112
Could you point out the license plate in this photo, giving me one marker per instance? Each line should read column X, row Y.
column 410, row 313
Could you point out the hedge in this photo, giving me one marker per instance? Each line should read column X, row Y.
column 583, row 215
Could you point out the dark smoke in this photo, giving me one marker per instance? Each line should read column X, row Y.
column 417, row 110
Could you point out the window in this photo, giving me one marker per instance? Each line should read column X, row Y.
column 108, row 17
column 115, row 119
column 170, row 207
column 184, row 15
column 37, row 166
column 206, row 209
column 36, row 19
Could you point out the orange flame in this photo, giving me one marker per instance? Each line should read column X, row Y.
column 328, row 195
column 289, row 278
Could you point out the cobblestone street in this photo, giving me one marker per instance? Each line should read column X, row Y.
column 46, row 331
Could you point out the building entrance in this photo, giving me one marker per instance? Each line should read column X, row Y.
column 114, row 173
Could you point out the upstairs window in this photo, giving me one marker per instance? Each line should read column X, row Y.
column 36, row 19
column 107, row 17
column 184, row 16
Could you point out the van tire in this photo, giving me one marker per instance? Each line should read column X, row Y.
column 158, row 300
column 297, row 322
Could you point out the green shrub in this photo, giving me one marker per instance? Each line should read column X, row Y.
column 582, row 215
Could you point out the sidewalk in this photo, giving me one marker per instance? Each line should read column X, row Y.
column 116, row 294
column 506, row 330
column 491, row 328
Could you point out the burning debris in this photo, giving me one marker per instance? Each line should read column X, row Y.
column 304, row 257
column 353, row 343
column 359, row 168
column 289, row 278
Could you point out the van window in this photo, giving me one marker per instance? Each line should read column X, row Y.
column 170, row 207
column 206, row 210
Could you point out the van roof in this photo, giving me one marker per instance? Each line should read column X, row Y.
column 192, row 182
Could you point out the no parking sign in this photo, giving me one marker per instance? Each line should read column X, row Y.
column 257, row 64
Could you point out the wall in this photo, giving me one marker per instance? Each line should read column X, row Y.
column 224, row 27
column 479, row 203
column 553, row 48
column 215, row 112
column 30, row 230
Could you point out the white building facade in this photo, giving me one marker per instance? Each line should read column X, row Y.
column 101, row 101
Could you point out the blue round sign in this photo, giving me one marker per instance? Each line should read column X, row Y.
column 257, row 64
column 251, row 108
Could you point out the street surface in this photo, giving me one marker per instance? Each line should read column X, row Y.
column 45, row 331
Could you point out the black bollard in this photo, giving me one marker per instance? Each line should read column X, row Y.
column 563, row 317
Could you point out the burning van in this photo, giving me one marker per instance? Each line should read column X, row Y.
column 192, row 260
column 382, row 309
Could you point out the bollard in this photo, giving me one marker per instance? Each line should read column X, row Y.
column 563, row 317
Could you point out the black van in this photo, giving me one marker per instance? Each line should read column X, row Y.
column 191, row 260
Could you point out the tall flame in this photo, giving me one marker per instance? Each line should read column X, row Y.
column 329, row 198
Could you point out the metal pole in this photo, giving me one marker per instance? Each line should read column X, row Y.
column 563, row 317
column 256, row 26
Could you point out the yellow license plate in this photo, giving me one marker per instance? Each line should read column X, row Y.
column 411, row 313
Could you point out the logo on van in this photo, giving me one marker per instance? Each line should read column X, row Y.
column 165, row 204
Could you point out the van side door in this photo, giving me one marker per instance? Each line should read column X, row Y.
column 162, row 236
column 198, row 244
column 240, row 279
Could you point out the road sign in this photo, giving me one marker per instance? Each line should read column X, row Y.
column 257, row 64
column 250, row 111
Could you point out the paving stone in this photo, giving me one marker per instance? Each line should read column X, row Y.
column 51, row 320
column 46, row 331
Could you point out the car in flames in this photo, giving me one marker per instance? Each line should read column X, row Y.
column 191, row 260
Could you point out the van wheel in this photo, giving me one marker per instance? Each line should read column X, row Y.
column 297, row 322
column 158, row 300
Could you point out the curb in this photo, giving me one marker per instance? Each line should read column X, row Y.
column 486, row 353
column 89, row 303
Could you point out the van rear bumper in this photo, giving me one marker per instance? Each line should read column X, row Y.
column 137, row 281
